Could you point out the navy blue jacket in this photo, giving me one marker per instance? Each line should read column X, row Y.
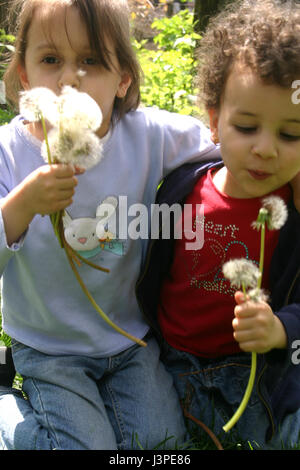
column 278, row 375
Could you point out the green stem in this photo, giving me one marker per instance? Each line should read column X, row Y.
column 244, row 290
column 96, row 306
column 250, row 384
column 246, row 397
column 46, row 139
column 262, row 253
column 248, row 391
column 55, row 218
column 86, row 261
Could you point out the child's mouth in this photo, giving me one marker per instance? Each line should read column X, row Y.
column 259, row 175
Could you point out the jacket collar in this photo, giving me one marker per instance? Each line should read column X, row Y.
column 179, row 183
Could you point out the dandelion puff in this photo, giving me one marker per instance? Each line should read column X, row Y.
column 38, row 102
column 273, row 211
column 241, row 273
column 77, row 109
column 277, row 210
column 87, row 151
column 258, row 295
column 77, row 146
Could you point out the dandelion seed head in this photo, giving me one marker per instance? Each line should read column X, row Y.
column 37, row 102
column 78, row 109
column 277, row 210
column 258, row 295
column 241, row 272
column 81, row 148
column 273, row 211
column 74, row 117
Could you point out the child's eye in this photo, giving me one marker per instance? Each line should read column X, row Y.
column 50, row 60
column 289, row 137
column 245, row 129
column 90, row 61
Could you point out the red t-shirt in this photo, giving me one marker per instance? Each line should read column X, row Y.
column 197, row 303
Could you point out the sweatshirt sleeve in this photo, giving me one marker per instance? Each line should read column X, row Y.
column 6, row 251
column 186, row 140
column 290, row 319
column 179, row 139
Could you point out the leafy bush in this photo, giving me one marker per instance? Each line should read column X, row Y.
column 5, row 116
column 170, row 69
column 6, row 44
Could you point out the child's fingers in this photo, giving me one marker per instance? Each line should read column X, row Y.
column 240, row 297
column 64, row 176
column 245, row 310
column 244, row 332
column 64, row 170
column 56, row 188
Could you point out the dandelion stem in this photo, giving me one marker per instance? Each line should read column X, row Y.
column 244, row 290
column 94, row 303
column 262, row 252
column 250, row 385
column 246, row 397
column 89, row 263
column 46, row 139
column 55, row 218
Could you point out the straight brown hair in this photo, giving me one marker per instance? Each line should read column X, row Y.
column 104, row 20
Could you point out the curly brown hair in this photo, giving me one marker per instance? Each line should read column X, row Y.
column 263, row 35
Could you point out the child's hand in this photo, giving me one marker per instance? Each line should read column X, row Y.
column 295, row 183
column 46, row 190
column 49, row 189
column 256, row 328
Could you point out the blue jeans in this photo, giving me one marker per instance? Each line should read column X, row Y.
column 211, row 391
column 73, row 402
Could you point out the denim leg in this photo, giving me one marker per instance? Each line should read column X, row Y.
column 64, row 409
column 14, row 412
column 211, row 391
column 288, row 435
column 141, row 400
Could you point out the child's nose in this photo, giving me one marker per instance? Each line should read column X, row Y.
column 69, row 77
column 265, row 146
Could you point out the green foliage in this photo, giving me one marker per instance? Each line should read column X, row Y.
column 4, row 338
column 170, row 69
column 5, row 116
column 6, row 45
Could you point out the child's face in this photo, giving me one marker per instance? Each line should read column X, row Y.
column 258, row 128
column 58, row 53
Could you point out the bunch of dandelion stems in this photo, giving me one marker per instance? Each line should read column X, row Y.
column 56, row 220
column 262, row 217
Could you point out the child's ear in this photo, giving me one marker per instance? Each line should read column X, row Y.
column 213, row 124
column 124, row 85
column 23, row 76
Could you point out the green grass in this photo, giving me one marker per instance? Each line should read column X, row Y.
column 5, row 115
